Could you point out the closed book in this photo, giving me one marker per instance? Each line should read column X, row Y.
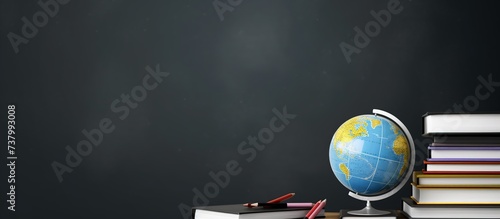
column 456, row 180
column 461, row 123
column 460, row 172
column 467, row 140
column 455, row 195
column 464, row 153
column 344, row 214
column 238, row 211
column 476, row 165
column 428, row 211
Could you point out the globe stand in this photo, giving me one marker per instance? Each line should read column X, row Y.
column 368, row 211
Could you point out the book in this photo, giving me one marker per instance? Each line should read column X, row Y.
column 463, row 160
column 460, row 172
column 464, row 153
column 461, row 123
column 238, row 211
column 419, row 211
column 344, row 214
column 477, row 165
column 466, row 140
column 455, row 180
column 455, row 195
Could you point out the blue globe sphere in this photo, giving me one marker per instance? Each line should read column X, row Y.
column 369, row 154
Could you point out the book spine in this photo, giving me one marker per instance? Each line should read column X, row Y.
column 463, row 160
column 465, row 148
column 480, row 162
column 462, row 172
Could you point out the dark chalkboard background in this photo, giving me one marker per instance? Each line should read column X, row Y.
column 226, row 77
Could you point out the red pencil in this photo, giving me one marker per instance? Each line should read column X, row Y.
column 317, row 210
column 282, row 198
column 276, row 200
column 312, row 209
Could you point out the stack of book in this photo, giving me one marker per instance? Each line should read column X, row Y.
column 461, row 178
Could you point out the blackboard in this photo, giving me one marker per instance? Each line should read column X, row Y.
column 140, row 109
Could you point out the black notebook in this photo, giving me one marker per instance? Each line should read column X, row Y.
column 238, row 211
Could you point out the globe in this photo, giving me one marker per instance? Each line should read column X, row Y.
column 370, row 154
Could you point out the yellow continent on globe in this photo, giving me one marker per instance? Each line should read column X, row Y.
column 400, row 147
column 375, row 123
column 344, row 170
column 350, row 127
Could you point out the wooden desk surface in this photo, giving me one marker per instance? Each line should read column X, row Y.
column 332, row 215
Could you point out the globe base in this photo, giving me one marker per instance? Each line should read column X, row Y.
column 368, row 211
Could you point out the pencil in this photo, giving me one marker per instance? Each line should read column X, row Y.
column 282, row 198
column 283, row 205
column 312, row 209
column 318, row 209
column 276, row 200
